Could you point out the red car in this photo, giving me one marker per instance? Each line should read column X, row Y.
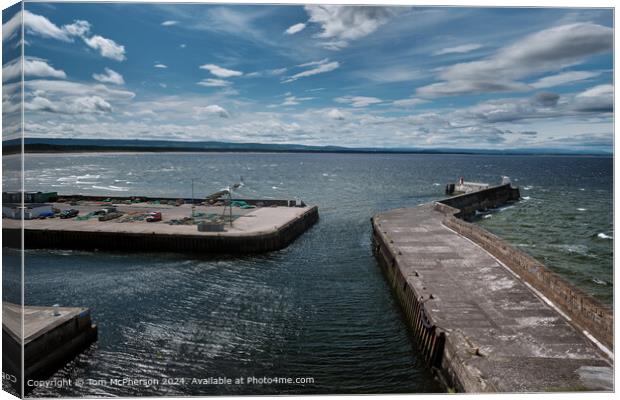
column 153, row 216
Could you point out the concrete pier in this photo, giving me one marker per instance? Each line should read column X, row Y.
column 255, row 230
column 485, row 316
column 51, row 337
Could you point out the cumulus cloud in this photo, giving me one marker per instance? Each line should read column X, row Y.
column 214, row 83
column 221, row 72
column 77, row 28
column 169, row 23
column 358, row 101
column 38, row 25
column 109, row 76
column 325, row 66
column 107, row 47
column 336, row 114
column 293, row 29
column 342, row 24
column 464, row 48
column 548, row 50
column 33, row 67
column 216, row 110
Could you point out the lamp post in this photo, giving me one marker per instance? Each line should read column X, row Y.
column 193, row 206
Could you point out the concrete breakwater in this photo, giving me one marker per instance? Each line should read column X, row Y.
column 487, row 317
column 269, row 226
column 48, row 338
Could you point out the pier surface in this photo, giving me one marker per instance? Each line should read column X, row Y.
column 482, row 326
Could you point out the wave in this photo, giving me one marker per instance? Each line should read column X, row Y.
column 111, row 187
column 604, row 236
column 599, row 282
column 582, row 209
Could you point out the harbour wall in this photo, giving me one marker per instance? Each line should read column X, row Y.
column 270, row 240
column 449, row 356
column 585, row 312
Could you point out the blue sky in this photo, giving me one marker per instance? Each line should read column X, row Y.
column 322, row 75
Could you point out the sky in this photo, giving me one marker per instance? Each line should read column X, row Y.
column 356, row 76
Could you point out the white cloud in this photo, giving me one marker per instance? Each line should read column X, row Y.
column 221, row 72
column 548, row 50
column 78, row 105
column 293, row 101
column 182, row 45
column 38, row 25
column 169, row 23
column 216, row 110
column 11, row 27
column 77, row 28
column 358, row 101
column 313, row 63
column 327, row 67
column 342, row 24
column 293, row 29
column 564, row 78
column 600, row 90
column 390, row 74
column 107, row 47
column 109, row 76
column 41, row 26
column 336, row 114
column 162, row 66
column 32, row 67
column 69, row 89
column 214, row 83
column 410, row 102
column 464, row 48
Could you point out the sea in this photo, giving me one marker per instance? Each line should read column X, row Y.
column 316, row 317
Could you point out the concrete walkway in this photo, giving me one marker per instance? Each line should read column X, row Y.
column 509, row 338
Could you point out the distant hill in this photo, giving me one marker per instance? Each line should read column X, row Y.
column 44, row 145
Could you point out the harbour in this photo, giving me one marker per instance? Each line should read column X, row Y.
column 303, row 309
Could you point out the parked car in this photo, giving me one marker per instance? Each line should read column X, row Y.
column 70, row 213
column 153, row 216
column 106, row 211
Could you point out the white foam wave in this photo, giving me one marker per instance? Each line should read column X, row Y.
column 604, row 236
column 111, row 187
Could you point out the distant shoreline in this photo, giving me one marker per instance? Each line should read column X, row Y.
column 127, row 150
column 76, row 146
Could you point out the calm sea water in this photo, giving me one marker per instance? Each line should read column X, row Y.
column 319, row 308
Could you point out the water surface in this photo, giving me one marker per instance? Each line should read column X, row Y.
column 319, row 308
